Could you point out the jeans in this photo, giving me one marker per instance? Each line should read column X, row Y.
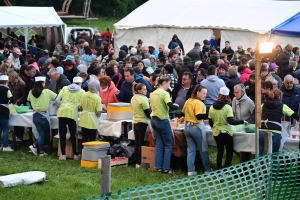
column 139, row 135
column 43, row 127
column 4, row 127
column 193, row 136
column 276, row 141
column 223, row 139
column 63, row 122
column 164, row 142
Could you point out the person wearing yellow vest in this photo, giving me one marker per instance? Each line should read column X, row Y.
column 91, row 110
column 39, row 99
column 141, row 118
column 220, row 118
column 5, row 98
column 68, row 101
column 194, row 111
column 160, row 103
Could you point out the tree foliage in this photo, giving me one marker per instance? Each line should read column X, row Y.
column 101, row 8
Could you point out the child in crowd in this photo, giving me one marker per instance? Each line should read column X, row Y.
column 5, row 98
column 223, row 74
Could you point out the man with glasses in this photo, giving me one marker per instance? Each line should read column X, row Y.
column 291, row 94
column 183, row 90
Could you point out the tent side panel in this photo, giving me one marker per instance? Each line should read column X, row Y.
column 154, row 36
column 245, row 38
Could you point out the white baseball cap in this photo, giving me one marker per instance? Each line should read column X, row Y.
column 224, row 91
column 40, row 78
column 3, row 78
column 77, row 79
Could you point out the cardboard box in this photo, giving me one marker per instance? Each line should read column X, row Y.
column 69, row 149
column 148, row 157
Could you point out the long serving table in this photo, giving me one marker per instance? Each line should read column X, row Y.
column 243, row 142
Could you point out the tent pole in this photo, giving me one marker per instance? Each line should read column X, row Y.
column 26, row 40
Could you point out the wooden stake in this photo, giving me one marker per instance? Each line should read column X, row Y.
column 257, row 100
column 105, row 175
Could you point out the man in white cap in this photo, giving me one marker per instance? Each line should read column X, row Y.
column 5, row 98
column 16, row 58
column 68, row 101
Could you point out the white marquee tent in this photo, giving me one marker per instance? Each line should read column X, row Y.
column 239, row 21
column 44, row 20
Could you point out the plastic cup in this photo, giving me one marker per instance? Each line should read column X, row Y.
column 293, row 135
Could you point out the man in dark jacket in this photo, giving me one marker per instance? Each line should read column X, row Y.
column 196, row 54
column 240, row 50
column 66, row 51
column 229, row 52
column 86, row 37
column 126, row 94
column 284, row 59
column 183, row 91
column 176, row 39
column 32, row 73
column 233, row 80
column 206, row 49
column 291, row 94
column 60, row 79
column 97, row 40
column 70, row 70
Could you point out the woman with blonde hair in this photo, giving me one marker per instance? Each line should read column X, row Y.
column 160, row 102
column 141, row 118
column 4, row 68
column 220, row 118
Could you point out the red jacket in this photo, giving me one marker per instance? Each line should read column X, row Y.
column 245, row 75
column 109, row 96
column 105, row 34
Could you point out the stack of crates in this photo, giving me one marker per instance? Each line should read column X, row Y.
column 92, row 152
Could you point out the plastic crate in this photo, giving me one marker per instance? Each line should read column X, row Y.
column 94, row 154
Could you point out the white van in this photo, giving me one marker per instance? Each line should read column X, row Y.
column 88, row 30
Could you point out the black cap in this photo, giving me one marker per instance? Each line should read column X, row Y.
column 197, row 44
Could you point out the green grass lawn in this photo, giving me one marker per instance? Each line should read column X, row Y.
column 67, row 180
column 101, row 23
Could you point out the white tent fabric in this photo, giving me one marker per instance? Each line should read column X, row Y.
column 30, row 17
column 241, row 16
column 19, row 17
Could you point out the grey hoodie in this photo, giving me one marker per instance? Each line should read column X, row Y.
column 243, row 108
column 74, row 88
column 213, row 84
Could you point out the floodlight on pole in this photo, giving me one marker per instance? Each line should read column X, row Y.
column 266, row 47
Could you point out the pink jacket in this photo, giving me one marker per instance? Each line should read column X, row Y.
column 35, row 65
column 109, row 96
column 245, row 75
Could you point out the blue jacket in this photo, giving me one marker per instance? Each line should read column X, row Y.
column 138, row 78
column 293, row 100
column 126, row 89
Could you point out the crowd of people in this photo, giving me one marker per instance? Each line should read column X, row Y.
column 203, row 82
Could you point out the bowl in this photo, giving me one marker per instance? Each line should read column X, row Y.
column 22, row 109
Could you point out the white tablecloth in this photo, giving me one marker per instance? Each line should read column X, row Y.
column 109, row 127
column 25, row 120
column 291, row 144
column 242, row 141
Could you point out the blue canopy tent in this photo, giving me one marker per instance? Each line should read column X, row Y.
column 290, row 27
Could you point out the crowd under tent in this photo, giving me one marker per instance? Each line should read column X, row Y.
column 33, row 20
column 243, row 22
